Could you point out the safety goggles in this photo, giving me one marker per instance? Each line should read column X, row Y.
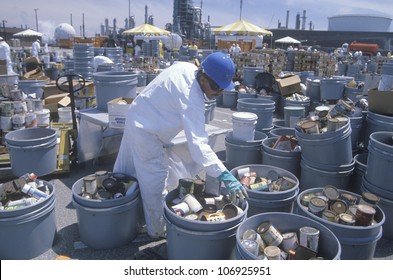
column 213, row 85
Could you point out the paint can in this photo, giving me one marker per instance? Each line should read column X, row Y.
column 193, row 203
column 272, row 252
column 30, row 120
column 199, row 188
column 251, row 246
column 310, row 127
column 317, row 205
column 213, row 217
column 230, row 210
column 181, row 209
column 7, row 108
column 100, row 177
column 185, row 186
column 289, row 242
column 18, row 121
column 345, row 219
column 339, row 206
column 270, row 235
column 90, row 184
column 16, row 94
column 43, row 117
column 20, row 107
column 329, row 215
column 364, row 215
column 369, row 199
column 309, row 237
column 5, row 123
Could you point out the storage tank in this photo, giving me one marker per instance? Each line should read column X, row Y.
column 361, row 23
column 64, row 31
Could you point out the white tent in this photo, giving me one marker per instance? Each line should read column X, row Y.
column 28, row 33
column 287, row 40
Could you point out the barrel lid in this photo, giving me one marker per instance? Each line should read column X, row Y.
column 339, row 206
column 331, row 192
column 244, row 116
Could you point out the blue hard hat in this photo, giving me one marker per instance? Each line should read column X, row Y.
column 220, row 67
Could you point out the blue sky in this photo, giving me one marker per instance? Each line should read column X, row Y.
column 265, row 13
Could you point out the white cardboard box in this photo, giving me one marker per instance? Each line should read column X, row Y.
column 117, row 111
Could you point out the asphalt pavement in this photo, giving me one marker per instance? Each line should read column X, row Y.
column 68, row 245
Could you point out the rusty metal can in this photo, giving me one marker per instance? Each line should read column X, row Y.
column 199, row 188
column 364, row 215
column 270, row 234
column 309, row 237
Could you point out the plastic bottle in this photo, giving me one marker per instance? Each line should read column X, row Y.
column 33, row 192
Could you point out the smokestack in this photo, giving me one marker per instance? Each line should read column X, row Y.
column 71, row 19
column 287, row 19
column 297, row 23
column 83, row 24
column 146, row 13
column 304, row 20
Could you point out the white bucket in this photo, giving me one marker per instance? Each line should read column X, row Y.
column 244, row 125
column 65, row 115
column 386, row 83
column 43, row 117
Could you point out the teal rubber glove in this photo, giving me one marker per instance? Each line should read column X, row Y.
column 237, row 194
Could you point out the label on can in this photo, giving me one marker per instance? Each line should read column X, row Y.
column 213, row 217
column 364, row 215
column 270, row 234
column 309, row 237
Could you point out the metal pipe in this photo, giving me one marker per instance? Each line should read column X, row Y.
column 36, row 19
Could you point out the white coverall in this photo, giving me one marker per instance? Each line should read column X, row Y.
column 173, row 101
column 35, row 49
column 5, row 53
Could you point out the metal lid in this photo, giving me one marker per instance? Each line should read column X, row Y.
column 370, row 198
column 331, row 192
column 109, row 183
column 89, row 178
column 349, row 198
column 101, row 173
column 329, row 215
column 307, row 125
column 309, row 230
column 103, row 194
column 264, row 227
column 193, row 217
column 339, row 206
column 366, row 209
column 346, row 218
column 288, row 235
column 317, row 202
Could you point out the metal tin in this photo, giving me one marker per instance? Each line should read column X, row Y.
column 90, row 185
column 185, row 186
column 270, row 234
column 349, row 199
column 210, row 208
column 272, row 252
column 251, row 246
column 317, row 206
column 100, row 177
column 331, row 192
column 199, row 188
column 109, row 184
column 339, row 206
column 193, row 217
column 369, row 199
column 103, row 194
column 260, row 186
column 120, row 177
column 310, row 127
column 181, row 209
column 364, row 215
column 193, row 203
column 213, row 217
column 251, row 234
column 329, row 215
column 230, row 210
column 333, row 124
column 309, row 237
column 345, row 219
column 306, row 199
column 289, row 242
column 209, row 200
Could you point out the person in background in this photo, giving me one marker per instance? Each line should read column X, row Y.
column 5, row 53
column 36, row 48
column 172, row 102
column 237, row 49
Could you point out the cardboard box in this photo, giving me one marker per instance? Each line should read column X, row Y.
column 289, row 85
column 51, row 89
column 380, row 102
column 55, row 101
column 3, row 67
column 117, row 112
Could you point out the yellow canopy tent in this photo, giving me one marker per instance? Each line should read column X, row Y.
column 241, row 30
column 146, row 30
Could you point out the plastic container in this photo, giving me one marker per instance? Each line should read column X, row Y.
column 317, row 175
column 357, row 242
column 260, row 201
column 357, row 175
column 32, row 86
column 29, row 231
column 288, row 160
column 107, row 227
column 244, row 125
column 328, row 246
column 111, row 85
column 318, row 148
column 262, row 107
column 240, row 152
column 292, row 115
column 192, row 239
column 25, row 154
column 380, row 159
column 229, row 99
column 356, row 126
column 249, row 75
column 279, row 131
column 375, row 123
column 332, row 88
column 313, row 88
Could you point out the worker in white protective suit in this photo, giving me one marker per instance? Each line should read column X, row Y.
column 5, row 53
column 35, row 48
column 172, row 102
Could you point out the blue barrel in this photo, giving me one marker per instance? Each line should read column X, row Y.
column 262, row 107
